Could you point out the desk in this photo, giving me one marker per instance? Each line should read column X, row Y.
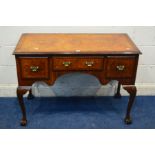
column 45, row 57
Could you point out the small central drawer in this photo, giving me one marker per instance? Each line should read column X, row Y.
column 78, row 63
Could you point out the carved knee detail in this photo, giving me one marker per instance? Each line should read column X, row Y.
column 132, row 90
column 21, row 92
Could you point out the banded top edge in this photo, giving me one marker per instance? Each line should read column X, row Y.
column 75, row 43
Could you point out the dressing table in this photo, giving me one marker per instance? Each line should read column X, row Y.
column 45, row 57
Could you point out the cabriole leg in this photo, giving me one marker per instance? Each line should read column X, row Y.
column 20, row 92
column 132, row 92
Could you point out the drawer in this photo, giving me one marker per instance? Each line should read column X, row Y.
column 120, row 67
column 34, row 68
column 80, row 63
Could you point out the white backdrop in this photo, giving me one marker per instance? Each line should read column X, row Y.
column 143, row 36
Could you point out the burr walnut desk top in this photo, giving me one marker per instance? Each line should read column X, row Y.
column 44, row 57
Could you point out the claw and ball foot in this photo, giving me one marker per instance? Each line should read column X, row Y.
column 128, row 120
column 23, row 122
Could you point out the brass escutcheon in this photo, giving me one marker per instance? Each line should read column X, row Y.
column 67, row 63
column 89, row 64
column 34, row 68
column 120, row 68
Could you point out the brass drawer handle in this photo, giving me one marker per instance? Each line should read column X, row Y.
column 89, row 64
column 34, row 68
column 67, row 63
column 120, row 68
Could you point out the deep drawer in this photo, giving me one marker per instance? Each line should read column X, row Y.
column 34, row 68
column 120, row 67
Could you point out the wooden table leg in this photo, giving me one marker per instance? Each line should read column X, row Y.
column 118, row 94
column 132, row 92
column 30, row 95
column 20, row 92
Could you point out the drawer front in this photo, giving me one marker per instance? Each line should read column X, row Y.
column 37, row 68
column 80, row 63
column 120, row 67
